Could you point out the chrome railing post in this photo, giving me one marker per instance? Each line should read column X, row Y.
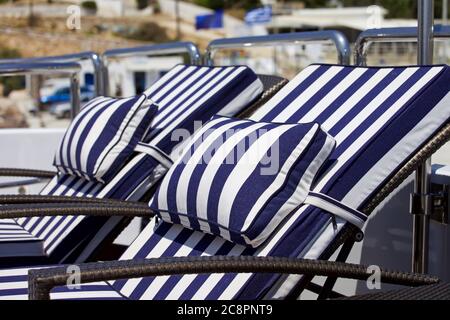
column 337, row 38
column 95, row 59
column 74, row 95
column 187, row 47
column 45, row 68
column 422, row 212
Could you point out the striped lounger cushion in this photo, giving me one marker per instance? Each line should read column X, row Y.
column 379, row 118
column 239, row 179
column 103, row 136
column 186, row 96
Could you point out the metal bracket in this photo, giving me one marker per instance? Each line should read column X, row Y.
column 437, row 200
column 440, row 203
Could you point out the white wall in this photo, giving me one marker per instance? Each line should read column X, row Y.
column 29, row 149
column 110, row 8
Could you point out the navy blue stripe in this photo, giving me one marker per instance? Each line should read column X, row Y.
column 6, row 279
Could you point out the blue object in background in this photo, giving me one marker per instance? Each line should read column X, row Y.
column 63, row 95
column 209, row 21
column 259, row 15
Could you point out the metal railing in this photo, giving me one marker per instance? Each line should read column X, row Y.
column 71, row 69
column 95, row 59
column 404, row 34
column 187, row 47
column 337, row 38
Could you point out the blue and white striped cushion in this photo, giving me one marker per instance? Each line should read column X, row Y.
column 239, row 179
column 102, row 136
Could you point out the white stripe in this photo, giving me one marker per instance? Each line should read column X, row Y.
column 84, row 295
column 283, row 93
column 17, row 236
column 50, row 185
column 243, row 99
column 121, row 140
column 149, row 150
column 14, row 272
column 13, row 231
column 10, row 227
column 335, row 210
column 13, row 285
column 15, row 297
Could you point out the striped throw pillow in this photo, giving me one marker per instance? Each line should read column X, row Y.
column 239, row 179
column 102, row 136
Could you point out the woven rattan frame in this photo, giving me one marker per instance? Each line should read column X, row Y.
column 41, row 281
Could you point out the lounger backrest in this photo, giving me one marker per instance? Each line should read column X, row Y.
column 192, row 93
column 379, row 117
